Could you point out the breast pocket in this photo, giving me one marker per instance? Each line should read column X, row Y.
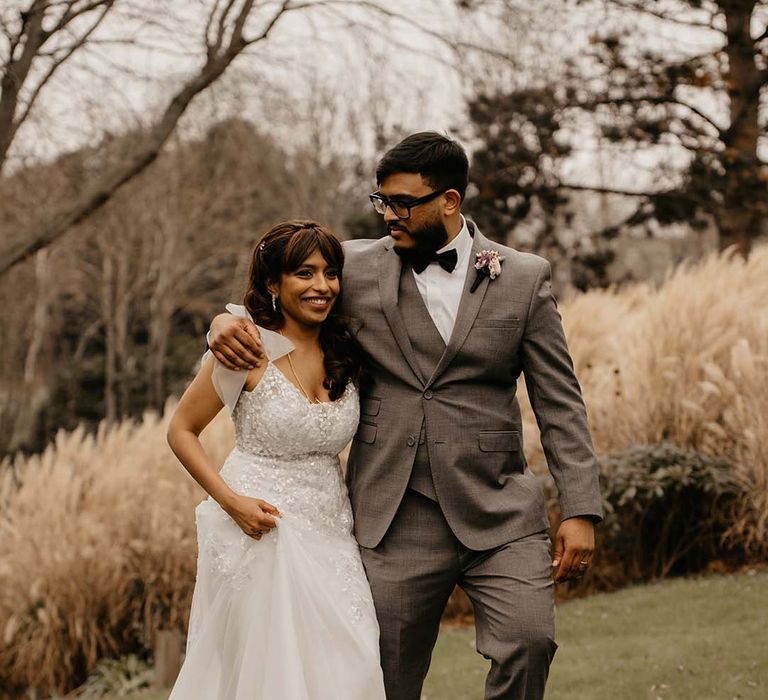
column 493, row 342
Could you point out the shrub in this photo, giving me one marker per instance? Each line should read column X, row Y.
column 667, row 510
column 117, row 678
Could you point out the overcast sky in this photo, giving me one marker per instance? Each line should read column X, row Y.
column 390, row 67
column 314, row 72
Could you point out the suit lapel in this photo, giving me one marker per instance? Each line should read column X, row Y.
column 389, row 270
column 469, row 306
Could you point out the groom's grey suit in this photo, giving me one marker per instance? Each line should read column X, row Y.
column 437, row 475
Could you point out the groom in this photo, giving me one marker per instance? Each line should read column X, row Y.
column 437, row 476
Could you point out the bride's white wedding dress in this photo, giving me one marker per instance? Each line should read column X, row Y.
column 289, row 616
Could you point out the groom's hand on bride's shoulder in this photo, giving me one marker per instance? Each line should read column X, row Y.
column 235, row 342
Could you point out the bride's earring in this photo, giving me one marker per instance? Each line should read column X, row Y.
column 274, row 302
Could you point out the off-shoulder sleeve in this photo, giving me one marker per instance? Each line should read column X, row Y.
column 228, row 383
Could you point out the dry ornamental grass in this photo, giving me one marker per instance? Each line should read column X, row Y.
column 97, row 550
column 97, row 540
column 687, row 364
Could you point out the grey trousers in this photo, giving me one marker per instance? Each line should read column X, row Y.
column 412, row 573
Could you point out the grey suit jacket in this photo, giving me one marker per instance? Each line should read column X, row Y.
column 473, row 427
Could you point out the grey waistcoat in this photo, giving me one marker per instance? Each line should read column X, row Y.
column 429, row 347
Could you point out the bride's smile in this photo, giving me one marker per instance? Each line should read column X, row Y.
column 307, row 295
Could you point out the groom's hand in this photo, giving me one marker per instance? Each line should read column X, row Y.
column 574, row 548
column 235, row 342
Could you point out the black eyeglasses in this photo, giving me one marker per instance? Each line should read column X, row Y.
column 401, row 207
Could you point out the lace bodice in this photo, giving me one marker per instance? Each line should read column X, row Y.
column 286, row 452
column 286, row 448
column 276, row 420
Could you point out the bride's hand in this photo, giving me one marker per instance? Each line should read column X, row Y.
column 252, row 515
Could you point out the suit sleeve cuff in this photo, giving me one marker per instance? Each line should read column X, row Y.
column 593, row 514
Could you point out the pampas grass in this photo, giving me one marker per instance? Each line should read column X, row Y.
column 97, row 550
column 687, row 364
column 97, row 540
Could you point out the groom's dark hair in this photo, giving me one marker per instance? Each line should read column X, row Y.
column 439, row 160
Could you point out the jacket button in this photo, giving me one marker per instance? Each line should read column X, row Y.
column 428, row 394
column 411, row 441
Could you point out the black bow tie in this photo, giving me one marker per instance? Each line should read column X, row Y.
column 446, row 260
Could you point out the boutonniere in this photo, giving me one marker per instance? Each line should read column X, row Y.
column 488, row 264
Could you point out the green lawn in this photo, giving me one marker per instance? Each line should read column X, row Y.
column 683, row 640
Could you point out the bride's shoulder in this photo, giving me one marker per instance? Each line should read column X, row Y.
column 254, row 376
column 229, row 384
column 275, row 345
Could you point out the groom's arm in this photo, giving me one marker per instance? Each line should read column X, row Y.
column 557, row 403
column 235, row 342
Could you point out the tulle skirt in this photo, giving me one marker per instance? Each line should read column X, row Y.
column 289, row 616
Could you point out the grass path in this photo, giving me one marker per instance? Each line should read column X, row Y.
column 703, row 639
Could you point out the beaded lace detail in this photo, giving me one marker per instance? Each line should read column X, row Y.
column 277, row 420
column 286, row 452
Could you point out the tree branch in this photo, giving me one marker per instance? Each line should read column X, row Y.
column 102, row 191
column 133, row 42
column 718, row 129
column 650, row 99
column 641, row 8
column 16, row 72
column 221, row 26
column 238, row 39
column 454, row 45
column 32, row 37
column 394, row 42
column 16, row 39
column 57, row 63
column 71, row 14
column 606, row 190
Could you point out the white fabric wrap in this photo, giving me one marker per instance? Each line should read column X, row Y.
column 228, row 383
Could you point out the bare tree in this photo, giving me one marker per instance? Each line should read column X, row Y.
column 226, row 37
column 39, row 39
column 678, row 88
column 43, row 35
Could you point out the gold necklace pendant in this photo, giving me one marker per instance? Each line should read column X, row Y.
column 301, row 386
column 296, row 376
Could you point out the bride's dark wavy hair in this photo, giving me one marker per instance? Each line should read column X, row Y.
column 282, row 250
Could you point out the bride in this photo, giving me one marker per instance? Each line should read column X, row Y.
column 282, row 607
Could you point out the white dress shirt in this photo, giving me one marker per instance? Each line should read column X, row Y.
column 442, row 290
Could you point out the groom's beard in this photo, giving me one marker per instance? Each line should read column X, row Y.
column 427, row 240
